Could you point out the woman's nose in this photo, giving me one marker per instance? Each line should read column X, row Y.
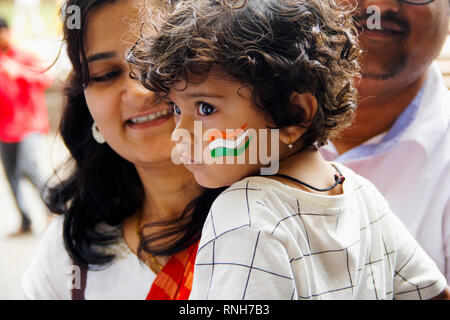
column 135, row 94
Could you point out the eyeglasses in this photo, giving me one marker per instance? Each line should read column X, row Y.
column 417, row 2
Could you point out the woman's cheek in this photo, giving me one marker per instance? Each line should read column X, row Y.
column 102, row 110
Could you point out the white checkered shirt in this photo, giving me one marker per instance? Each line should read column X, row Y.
column 266, row 240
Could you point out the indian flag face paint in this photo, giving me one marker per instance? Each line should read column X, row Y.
column 230, row 144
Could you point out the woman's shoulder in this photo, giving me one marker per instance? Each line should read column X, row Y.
column 49, row 271
column 52, row 242
column 52, row 273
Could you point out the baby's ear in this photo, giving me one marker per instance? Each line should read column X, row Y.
column 305, row 104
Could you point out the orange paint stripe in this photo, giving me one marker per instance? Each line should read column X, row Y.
column 212, row 136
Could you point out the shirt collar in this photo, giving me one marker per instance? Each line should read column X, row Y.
column 386, row 140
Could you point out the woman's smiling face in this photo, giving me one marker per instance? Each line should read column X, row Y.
column 132, row 123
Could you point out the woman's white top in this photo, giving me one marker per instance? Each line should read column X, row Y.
column 265, row 240
column 52, row 275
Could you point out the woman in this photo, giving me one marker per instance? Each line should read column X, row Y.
column 125, row 201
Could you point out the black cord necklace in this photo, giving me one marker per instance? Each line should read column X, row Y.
column 338, row 179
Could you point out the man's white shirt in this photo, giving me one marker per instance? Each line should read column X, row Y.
column 410, row 165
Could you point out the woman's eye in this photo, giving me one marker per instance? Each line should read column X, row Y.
column 206, row 109
column 107, row 77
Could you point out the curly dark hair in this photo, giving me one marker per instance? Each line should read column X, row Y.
column 276, row 47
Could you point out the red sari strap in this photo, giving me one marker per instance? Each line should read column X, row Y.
column 174, row 281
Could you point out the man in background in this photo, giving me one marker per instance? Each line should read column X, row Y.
column 400, row 139
column 23, row 120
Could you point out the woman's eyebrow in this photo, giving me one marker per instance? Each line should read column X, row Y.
column 101, row 56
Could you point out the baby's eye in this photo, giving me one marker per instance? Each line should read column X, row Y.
column 176, row 110
column 205, row 109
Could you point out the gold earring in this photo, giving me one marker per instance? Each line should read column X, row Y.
column 290, row 146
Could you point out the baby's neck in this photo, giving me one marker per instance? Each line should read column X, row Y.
column 310, row 167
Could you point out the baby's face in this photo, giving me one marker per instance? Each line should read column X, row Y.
column 218, row 131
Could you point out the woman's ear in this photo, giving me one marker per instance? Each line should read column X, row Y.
column 306, row 104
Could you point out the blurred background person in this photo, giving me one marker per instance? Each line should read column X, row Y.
column 23, row 120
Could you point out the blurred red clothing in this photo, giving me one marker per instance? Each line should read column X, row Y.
column 23, row 109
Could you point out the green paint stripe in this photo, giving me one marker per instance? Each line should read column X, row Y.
column 225, row 152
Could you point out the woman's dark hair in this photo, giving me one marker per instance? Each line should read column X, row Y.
column 275, row 47
column 102, row 186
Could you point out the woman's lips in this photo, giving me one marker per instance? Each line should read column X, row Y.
column 152, row 123
column 149, row 119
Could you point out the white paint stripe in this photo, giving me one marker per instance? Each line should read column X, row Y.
column 222, row 143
